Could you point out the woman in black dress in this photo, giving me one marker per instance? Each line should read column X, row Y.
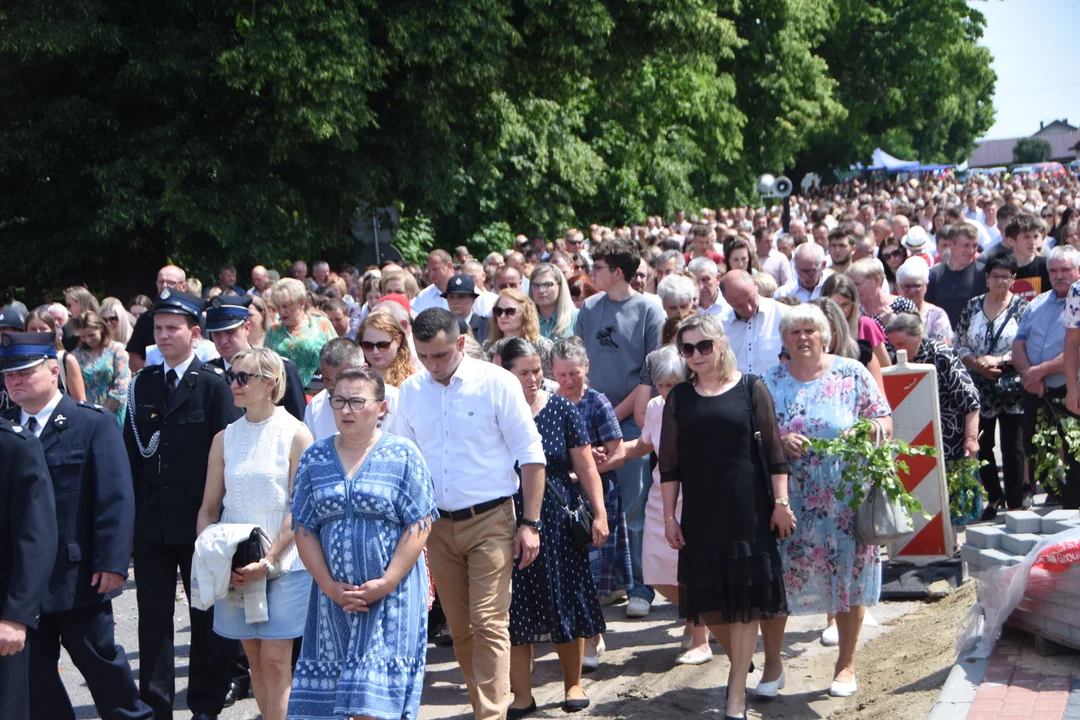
column 555, row 595
column 730, row 574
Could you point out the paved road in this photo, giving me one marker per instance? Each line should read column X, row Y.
column 638, row 650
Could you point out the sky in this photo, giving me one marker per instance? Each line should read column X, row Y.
column 1034, row 44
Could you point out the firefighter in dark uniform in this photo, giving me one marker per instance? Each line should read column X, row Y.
column 27, row 550
column 95, row 517
column 174, row 411
column 228, row 324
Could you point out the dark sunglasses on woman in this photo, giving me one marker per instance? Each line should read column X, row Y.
column 240, row 378
column 508, row 312
column 382, row 345
column 705, row 347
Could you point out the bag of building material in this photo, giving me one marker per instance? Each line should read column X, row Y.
column 1048, row 575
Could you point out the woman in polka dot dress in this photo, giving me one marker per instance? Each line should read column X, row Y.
column 555, row 595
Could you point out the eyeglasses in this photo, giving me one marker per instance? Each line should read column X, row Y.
column 543, row 286
column 355, row 403
column 500, row 311
column 506, row 285
column 1002, row 278
column 382, row 345
column 891, row 255
column 241, row 378
column 111, row 318
column 705, row 347
column 911, row 287
column 598, row 268
column 574, row 242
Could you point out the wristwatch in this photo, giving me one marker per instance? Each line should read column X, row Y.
column 782, row 501
column 534, row 524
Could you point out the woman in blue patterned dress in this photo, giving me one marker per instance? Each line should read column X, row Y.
column 363, row 503
column 818, row 395
column 610, row 564
column 104, row 364
column 554, row 595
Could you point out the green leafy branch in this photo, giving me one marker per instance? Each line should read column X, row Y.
column 866, row 464
column 962, row 477
column 1055, row 434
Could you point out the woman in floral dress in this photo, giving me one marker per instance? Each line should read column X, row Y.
column 299, row 336
column 818, row 395
column 104, row 364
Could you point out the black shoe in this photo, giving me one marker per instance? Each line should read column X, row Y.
column 572, row 706
column 990, row 511
column 237, row 691
column 512, row 713
column 203, row 716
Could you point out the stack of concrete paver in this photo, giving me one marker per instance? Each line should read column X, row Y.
column 1048, row 614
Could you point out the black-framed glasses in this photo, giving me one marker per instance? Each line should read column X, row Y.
column 704, row 347
column 543, row 286
column 500, row 311
column 111, row 318
column 598, row 268
column 356, row 404
column 382, row 345
column 241, row 378
column 891, row 255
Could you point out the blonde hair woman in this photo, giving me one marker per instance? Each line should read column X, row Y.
column 555, row 308
column 250, row 474
column 71, row 380
column 117, row 318
column 725, row 532
column 401, row 282
column 514, row 315
column 300, row 335
column 78, row 300
column 104, row 363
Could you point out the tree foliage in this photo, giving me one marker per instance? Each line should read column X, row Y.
column 133, row 133
column 1032, row 150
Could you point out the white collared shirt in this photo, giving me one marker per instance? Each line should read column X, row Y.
column 717, row 308
column 180, row 369
column 41, row 416
column 796, row 290
column 471, row 432
column 205, row 350
column 755, row 342
column 431, row 297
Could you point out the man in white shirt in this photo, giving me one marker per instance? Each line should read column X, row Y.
column 752, row 323
column 472, row 424
column 809, row 263
column 335, row 356
column 708, row 279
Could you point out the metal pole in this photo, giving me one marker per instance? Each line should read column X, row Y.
column 375, row 223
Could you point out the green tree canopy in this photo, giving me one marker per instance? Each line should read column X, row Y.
column 1032, row 150
column 134, row 132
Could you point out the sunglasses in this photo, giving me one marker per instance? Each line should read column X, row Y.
column 111, row 319
column 543, row 286
column 705, row 347
column 241, row 378
column 382, row 345
column 891, row 255
column 500, row 311
column 355, row 403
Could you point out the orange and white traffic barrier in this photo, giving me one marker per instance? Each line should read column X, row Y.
column 912, row 392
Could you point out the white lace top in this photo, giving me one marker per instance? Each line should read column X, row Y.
column 257, row 476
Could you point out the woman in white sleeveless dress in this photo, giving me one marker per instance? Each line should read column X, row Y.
column 250, row 473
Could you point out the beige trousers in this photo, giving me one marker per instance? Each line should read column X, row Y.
column 472, row 562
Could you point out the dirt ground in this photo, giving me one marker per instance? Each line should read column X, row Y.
column 902, row 664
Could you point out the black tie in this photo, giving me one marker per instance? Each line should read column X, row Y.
column 32, row 425
column 170, row 385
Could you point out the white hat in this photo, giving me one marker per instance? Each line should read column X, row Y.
column 916, row 239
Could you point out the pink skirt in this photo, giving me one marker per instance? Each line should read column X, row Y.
column 659, row 561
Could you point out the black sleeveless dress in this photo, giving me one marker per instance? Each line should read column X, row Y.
column 730, row 569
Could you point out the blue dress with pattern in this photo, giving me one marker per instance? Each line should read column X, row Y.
column 363, row 663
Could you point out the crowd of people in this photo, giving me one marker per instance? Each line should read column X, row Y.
column 343, row 465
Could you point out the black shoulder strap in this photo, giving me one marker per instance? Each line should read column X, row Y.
column 757, row 440
column 1001, row 328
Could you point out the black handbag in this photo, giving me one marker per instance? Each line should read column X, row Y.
column 1008, row 383
column 249, row 551
column 580, row 516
